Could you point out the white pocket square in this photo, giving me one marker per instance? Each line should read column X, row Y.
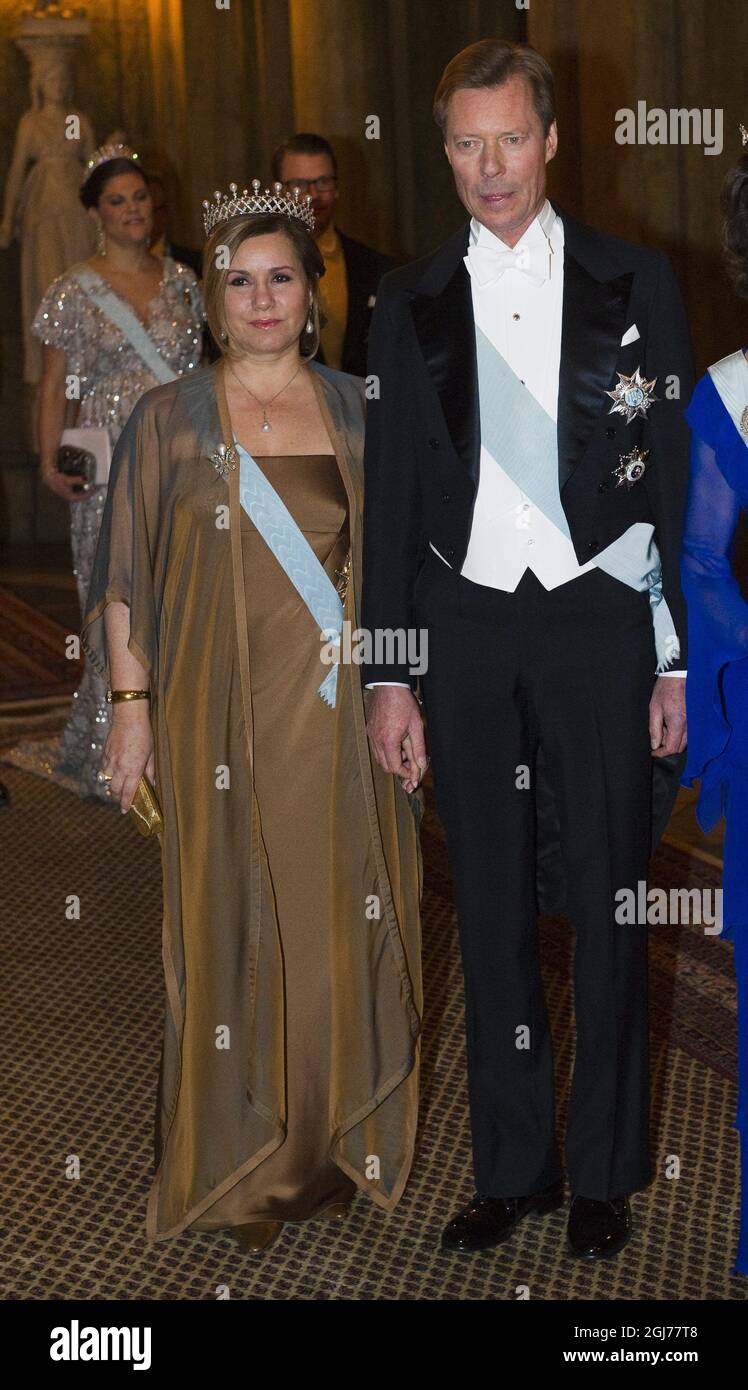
column 630, row 336
column 371, row 301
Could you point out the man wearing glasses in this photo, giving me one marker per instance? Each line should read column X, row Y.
column 352, row 271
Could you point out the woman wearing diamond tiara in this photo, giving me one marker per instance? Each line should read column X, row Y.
column 229, row 565
column 717, row 684
column 112, row 326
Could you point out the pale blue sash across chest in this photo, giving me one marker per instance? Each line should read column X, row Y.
column 124, row 318
column 293, row 552
column 521, row 436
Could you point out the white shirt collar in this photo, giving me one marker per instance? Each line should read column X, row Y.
column 541, row 227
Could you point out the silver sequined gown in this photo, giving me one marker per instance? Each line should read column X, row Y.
column 112, row 378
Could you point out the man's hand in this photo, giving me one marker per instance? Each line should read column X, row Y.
column 667, row 716
column 395, row 730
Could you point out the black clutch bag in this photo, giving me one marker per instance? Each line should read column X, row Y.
column 74, row 460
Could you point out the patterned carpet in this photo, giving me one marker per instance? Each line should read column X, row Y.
column 32, row 652
column 82, row 1018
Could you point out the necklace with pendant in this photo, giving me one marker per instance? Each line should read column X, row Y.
column 266, row 425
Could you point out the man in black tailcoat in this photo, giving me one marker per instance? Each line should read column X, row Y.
column 525, row 472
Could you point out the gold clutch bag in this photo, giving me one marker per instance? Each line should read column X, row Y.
column 145, row 809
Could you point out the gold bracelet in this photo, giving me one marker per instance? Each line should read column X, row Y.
column 115, row 696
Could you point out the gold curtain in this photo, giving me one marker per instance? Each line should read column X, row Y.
column 228, row 85
column 207, row 92
column 264, row 68
column 676, row 54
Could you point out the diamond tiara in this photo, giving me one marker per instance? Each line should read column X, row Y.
column 743, row 134
column 107, row 152
column 233, row 204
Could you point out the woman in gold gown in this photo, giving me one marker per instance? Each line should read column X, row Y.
column 291, row 862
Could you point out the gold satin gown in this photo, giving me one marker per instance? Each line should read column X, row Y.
column 293, row 751
column 271, row 1068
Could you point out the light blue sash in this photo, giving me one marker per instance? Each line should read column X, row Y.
column 124, row 318
column 294, row 553
column 521, row 436
column 730, row 377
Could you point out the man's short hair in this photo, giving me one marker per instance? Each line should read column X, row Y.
column 490, row 63
column 303, row 143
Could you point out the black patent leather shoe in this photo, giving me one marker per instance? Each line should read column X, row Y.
column 597, row 1229
column 486, row 1221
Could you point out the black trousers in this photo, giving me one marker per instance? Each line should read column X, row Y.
column 571, row 671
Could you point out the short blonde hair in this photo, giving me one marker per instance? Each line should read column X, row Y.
column 231, row 235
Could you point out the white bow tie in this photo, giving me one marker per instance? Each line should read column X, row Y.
column 487, row 263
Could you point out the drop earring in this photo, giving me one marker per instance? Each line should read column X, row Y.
column 100, row 238
column 309, row 328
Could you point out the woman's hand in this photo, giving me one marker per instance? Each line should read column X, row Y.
column 52, row 408
column 63, row 483
column 128, row 751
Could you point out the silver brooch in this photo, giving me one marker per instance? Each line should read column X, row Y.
column 224, row 459
column 744, row 421
column 631, row 467
column 632, row 396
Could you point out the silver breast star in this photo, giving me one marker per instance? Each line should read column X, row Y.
column 632, row 396
column 631, row 467
column 223, row 459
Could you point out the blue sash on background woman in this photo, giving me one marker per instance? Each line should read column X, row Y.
column 124, row 318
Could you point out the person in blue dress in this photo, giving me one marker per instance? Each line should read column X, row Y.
column 717, row 683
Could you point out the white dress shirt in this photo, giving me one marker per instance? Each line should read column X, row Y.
column 522, row 319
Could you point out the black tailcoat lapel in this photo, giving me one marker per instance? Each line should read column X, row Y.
column 593, row 323
column 594, row 320
column 442, row 311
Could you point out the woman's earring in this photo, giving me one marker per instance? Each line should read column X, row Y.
column 224, row 336
column 100, row 239
column 309, row 322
